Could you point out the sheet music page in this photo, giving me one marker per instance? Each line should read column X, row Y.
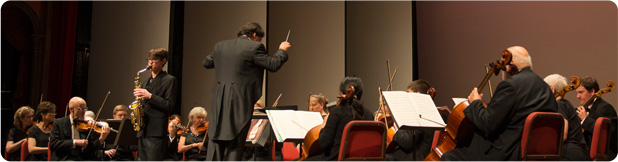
column 427, row 110
column 413, row 109
column 459, row 100
column 402, row 108
column 309, row 119
column 287, row 125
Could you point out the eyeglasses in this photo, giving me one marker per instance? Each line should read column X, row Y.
column 80, row 109
column 152, row 60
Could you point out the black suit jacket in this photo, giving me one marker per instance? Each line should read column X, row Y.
column 501, row 123
column 574, row 147
column 600, row 108
column 61, row 143
column 239, row 65
column 160, row 105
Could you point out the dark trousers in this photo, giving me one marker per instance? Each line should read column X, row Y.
column 219, row 150
column 151, row 148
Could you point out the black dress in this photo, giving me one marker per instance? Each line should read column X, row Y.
column 192, row 154
column 42, row 140
column 16, row 135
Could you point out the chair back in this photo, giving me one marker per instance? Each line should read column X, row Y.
column 600, row 139
column 289, row 151
column 48, row 152
column 24, row 151
column 543, row 136
column 7, row 156
column 363, row 140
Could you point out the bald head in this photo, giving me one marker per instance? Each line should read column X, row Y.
column 77, row 107
column 521, row 58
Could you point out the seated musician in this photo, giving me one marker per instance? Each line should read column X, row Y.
column 412, row 145
column 317, row 103
column 22, row 121
column 574, row 146
column 191, row 143
column 172, row 132
column 68, row 142
column 122, row 152
column 501, row 123
column 38, row 136
column 599, row 108
column 348, row 110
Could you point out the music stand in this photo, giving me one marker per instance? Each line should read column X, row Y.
column 125, row 130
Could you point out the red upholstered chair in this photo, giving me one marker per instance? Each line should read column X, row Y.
column 24, row 151
column 363, row 140
column 289, row 151
column 7, row 156
column 542, row 136
column 600, row 139
column 48, row 152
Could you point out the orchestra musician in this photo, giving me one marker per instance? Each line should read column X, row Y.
column 121, row 152
column 68, row 142
column 317, row 103
column 239, row 66
column 191, row 142
column 159, row 96
column 38, row 135
column 172, row 144
column 500, row 124
column 22, row 121
column 574, row 147
column 348, row 110
column 589, row 115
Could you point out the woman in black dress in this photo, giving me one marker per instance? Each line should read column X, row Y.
column 192, row 142
column 38, row 136
column 17, row 135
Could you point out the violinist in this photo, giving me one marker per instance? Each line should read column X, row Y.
column 599, row 108
column 348, row 110
column 317, row 103
column 17, row 135
column 574, row 146
column 67, row 142
column 191, row 143
column 500, row 124
column 174, row 129
column 38, row 135
column 120, row 152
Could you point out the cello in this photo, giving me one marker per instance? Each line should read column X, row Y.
column 310, row 145
column 576, row 82
column 610, row 85
column 459, row 129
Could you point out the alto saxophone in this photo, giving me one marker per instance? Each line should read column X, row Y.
column 136, row 106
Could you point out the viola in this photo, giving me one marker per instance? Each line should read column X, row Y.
column 310, row 146
column 459, row 129
column 85, row 126
column 576, row 82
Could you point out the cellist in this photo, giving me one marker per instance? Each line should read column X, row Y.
column 597, row 108
column 501, row 123
column 350, row 108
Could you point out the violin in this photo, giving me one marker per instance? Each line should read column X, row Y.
column 202, row 129
column 459, row 129
column 86, row 125
column 576, row 82
column 310, row 146
column 181, row 128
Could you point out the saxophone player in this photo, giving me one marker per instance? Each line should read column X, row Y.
column 158, row 94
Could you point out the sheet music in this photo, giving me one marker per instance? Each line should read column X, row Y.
column 413, row 109
column 290, row 124
column 459, row 100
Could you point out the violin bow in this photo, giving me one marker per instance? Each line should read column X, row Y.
column 277, row 101
column 98, row 113
column 491, row 93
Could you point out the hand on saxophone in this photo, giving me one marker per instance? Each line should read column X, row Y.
column 141, row 93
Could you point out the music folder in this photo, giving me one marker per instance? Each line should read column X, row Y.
column 413, row 110
column 125, row 136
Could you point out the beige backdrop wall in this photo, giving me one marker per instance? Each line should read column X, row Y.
column 456, row 39
column 206, row 23
column 122, row 35
column 316, row 58
column 375, row 32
